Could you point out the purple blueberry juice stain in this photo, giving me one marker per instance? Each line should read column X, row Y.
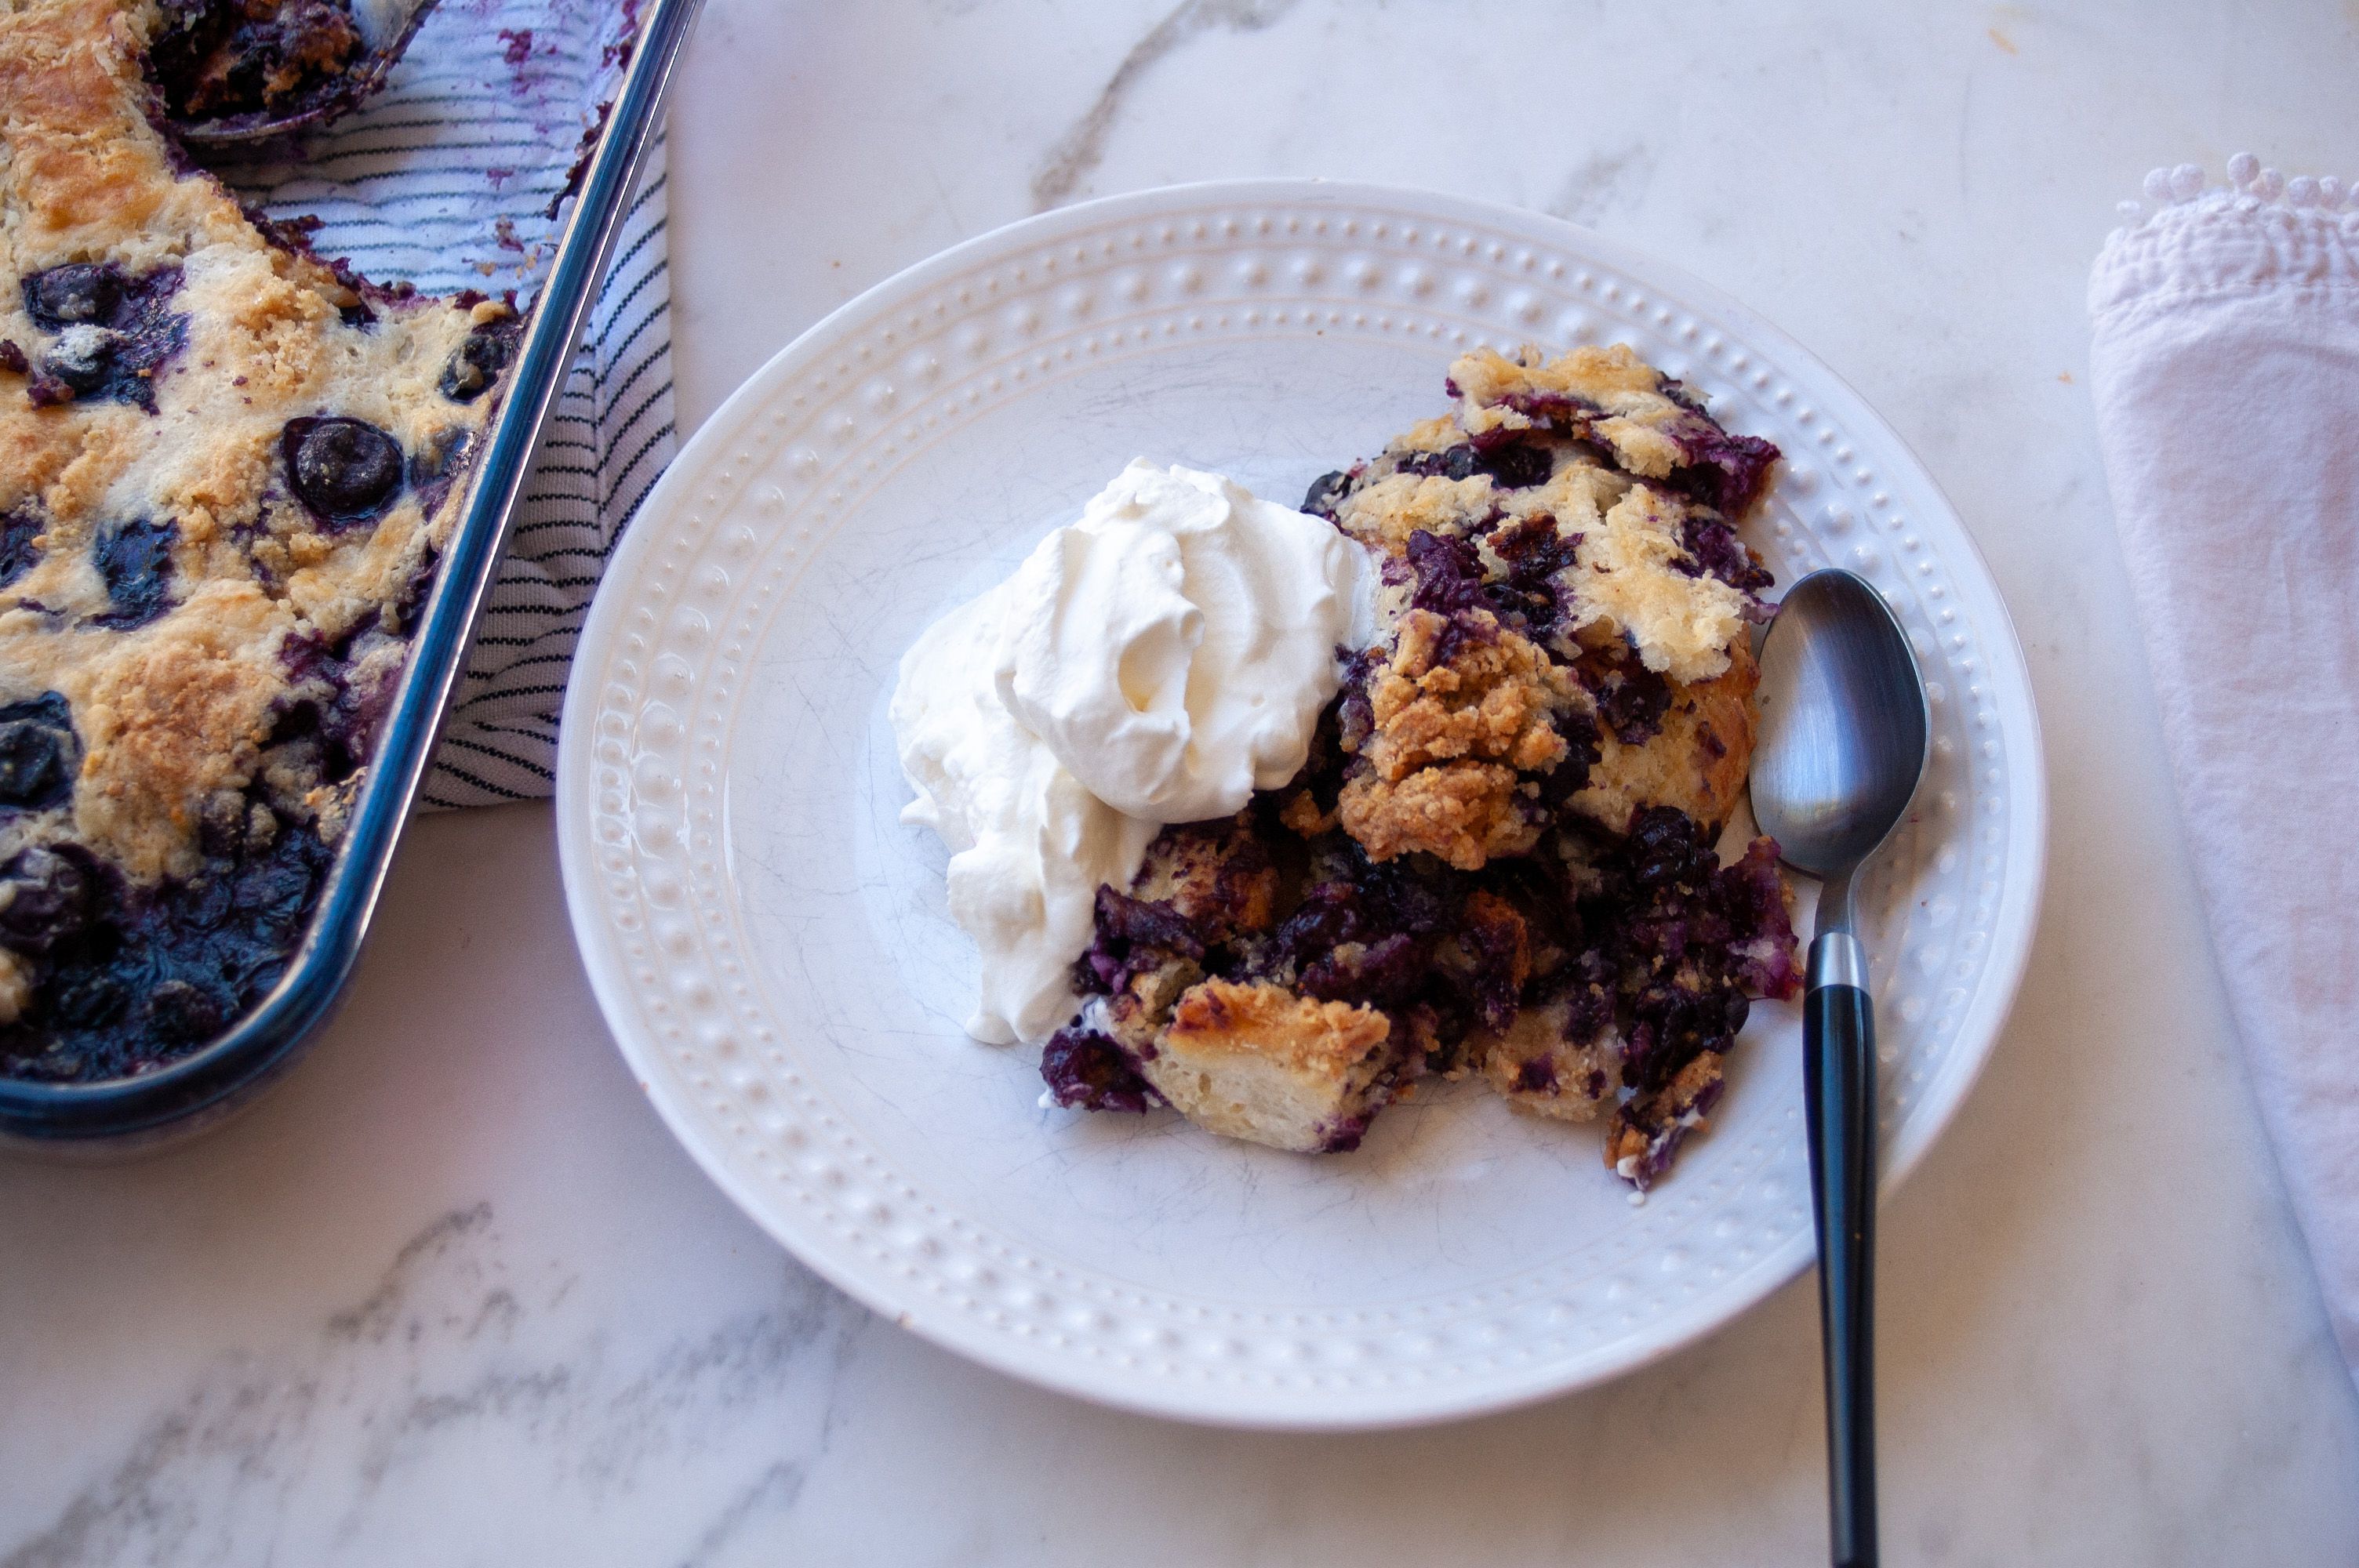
column 39, row 754
column 1713, row 548
column 132, row 976
column 19, row 527
column 1088, row 1071
column 110, row 333
column 134, row 561
column 1726, row 472
column 1132, row 934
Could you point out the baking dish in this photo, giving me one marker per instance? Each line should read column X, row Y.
column 210, row 1082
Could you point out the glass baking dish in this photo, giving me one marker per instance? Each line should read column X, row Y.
column 208, row 1084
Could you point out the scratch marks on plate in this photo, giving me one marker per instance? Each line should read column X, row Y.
column 1082, row 148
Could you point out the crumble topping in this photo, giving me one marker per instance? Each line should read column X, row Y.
column 1455, row 728
column 1390, row 511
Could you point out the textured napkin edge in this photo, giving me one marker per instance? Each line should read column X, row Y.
column 2261, row 232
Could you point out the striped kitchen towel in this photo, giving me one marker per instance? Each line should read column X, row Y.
column 453, row 179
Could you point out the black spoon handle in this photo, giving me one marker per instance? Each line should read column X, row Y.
column 1839, row 1079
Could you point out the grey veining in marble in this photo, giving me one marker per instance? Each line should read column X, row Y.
column 452, row 1295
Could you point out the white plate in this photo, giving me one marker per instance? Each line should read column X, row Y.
column 770, row 943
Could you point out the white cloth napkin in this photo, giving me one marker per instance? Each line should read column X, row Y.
column 449, row 179
column 2225, row 371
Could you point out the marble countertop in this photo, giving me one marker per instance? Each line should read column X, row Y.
column 452, row 1295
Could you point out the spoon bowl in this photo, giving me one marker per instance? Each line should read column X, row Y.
column 1845, row 725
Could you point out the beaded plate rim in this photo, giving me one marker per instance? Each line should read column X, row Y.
column 1175, row 260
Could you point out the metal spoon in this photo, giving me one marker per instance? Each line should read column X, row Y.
column 385, row 27
column 1844, row 730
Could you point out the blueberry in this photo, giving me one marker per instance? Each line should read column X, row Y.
column 45, row 897
column 345, row 470
column 38, row 754
column 1632, row 700
column 1519, row 464
column 90, row 999
column 81, row 360
column 1087, row 1071
column 178, row 1011
column 115, row 333
column 19, row 526
column 79, row 293
column 1325, row 492
column 136, row 560
column 476, row 364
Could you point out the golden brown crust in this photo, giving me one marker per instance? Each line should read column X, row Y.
column 1627, row 582
column 1254, row 1061
column 1613, row 379
column 1298, row 1032
column 1386, row 513
column 1451, row 734
column 172, row 723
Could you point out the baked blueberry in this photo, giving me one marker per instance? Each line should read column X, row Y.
column 476, row 363
column 1324, row 493
column 46, row 897
column 39, row 753
column 113, row 333
column 81, row 360
column 136, row 562
column 181, row 1011
column 77, row 294
column 19, row 526
column 1086, row 1071
column 345, row 470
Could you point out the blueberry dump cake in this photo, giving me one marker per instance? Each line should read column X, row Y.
column 226, row 469
column 1493, row 849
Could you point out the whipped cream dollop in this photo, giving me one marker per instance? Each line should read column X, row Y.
column 1155, row 661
